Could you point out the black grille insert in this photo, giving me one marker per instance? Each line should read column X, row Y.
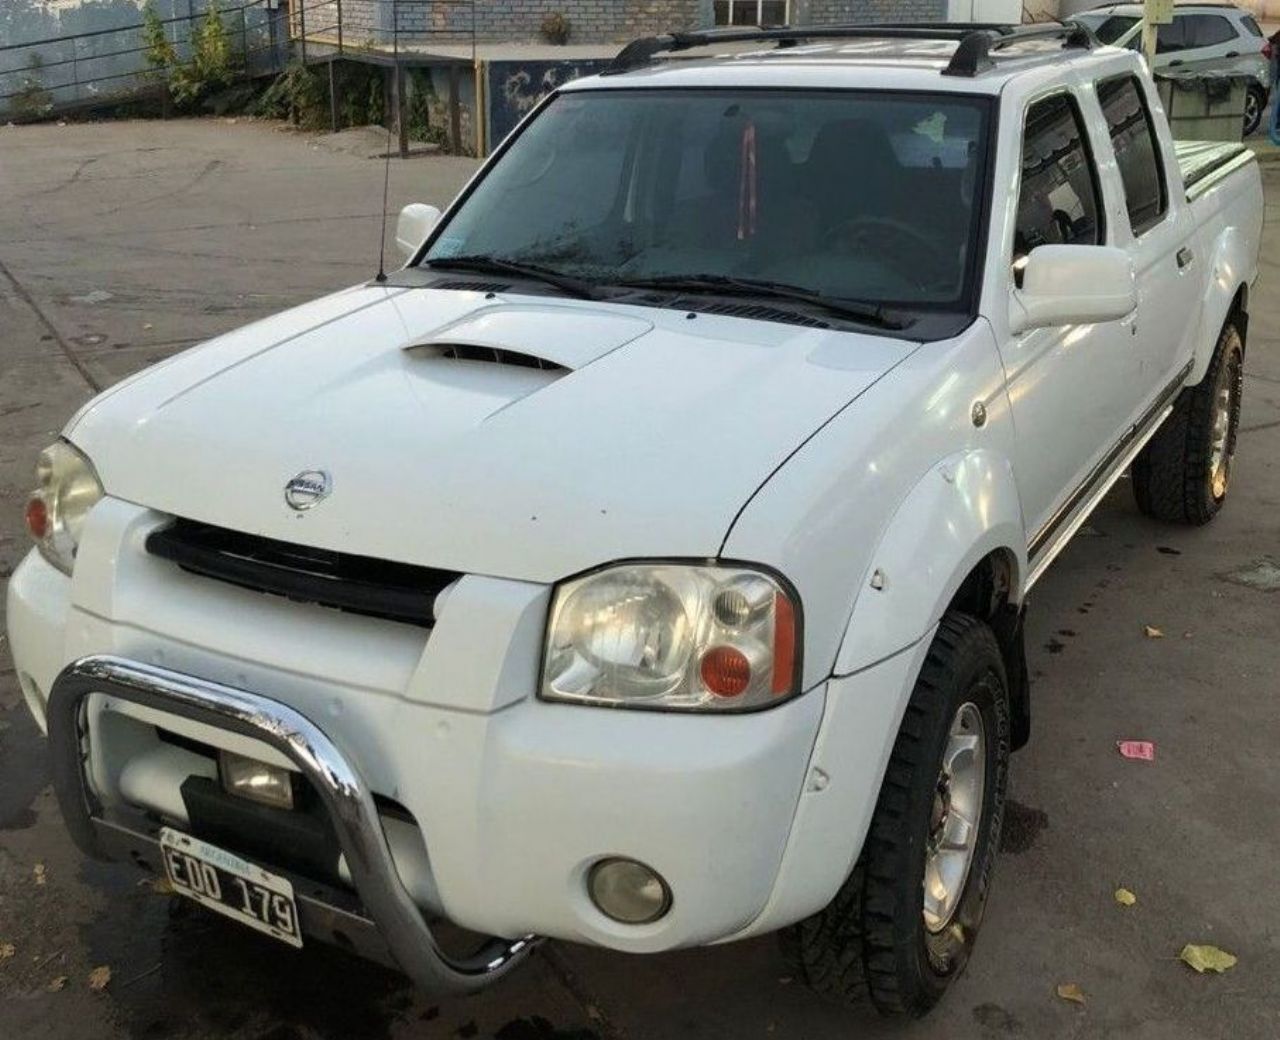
column 357, row 584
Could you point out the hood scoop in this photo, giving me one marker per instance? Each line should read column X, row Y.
column 550, row 338
column 487, row 355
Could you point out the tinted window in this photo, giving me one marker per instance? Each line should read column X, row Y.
column 1208, row 30
column 1057, row 203
column 1251, row 27
column 1114, row 27
column 1171, row 37
column 1134, row 141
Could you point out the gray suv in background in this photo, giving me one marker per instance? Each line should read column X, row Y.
column 1201, row 38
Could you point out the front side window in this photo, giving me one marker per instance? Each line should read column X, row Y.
column 764, row 13
column 1058, row 199
column 1137, row 152
column 871, row 196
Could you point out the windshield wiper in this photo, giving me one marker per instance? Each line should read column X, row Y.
column 498, row 265
column 867, row 313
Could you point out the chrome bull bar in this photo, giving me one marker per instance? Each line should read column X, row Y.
column 342, row 790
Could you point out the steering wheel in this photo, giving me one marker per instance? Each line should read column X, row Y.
column 868, row 231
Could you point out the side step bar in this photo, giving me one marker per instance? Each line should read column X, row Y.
column 342, row 790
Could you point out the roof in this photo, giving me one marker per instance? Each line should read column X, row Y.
column 1135, row 10
column 918, row 62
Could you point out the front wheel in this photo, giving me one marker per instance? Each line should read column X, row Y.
column 903, row 925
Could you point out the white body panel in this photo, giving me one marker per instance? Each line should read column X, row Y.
column 871, row 472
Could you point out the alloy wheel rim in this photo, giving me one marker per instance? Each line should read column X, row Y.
column 1220, row 450
column 955, row 818
column 1251, row 107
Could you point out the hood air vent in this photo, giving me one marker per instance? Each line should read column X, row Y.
column 754, row 310
column 489, row 355
column 465, row 285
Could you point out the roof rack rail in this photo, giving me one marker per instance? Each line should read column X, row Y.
column 975, row 40
column 974, row 53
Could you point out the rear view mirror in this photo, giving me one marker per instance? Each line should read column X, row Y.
column 1073, row 285
column 415, row 223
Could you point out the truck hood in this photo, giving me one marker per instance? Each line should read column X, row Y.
column 522, row 437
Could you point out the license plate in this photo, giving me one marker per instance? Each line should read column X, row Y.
column 224, row 882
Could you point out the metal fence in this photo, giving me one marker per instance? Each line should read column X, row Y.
column 102, row 66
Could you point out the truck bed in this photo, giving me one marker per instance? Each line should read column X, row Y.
column 1204, row 163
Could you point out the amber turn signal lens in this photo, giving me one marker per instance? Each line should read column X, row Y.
column 37, row 517
column 726, row 671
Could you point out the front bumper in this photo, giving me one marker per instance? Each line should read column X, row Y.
column 512, row 799
column 392, row 915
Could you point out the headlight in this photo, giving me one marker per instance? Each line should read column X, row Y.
column 674, row 637
column 66, row 489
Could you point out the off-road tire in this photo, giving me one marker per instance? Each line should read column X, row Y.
column 870, row 944
column 1172, row 477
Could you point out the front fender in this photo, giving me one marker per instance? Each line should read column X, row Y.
column 964, row 508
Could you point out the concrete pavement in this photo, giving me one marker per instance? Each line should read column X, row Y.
column 122, row 243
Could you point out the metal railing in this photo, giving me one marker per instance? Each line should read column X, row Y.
column 71, row 70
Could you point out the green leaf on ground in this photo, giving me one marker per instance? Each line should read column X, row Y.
column 1207, row 958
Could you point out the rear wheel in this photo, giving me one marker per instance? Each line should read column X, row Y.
column 1184, row 472
column 1255, row 106
column 903, row 924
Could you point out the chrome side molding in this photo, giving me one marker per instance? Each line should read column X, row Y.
column 345, row 796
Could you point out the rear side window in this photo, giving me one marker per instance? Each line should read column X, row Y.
column 1250, row 26
column 1114, row 27
column 1058, row 199
column 1207, row 30
column 1137, row 153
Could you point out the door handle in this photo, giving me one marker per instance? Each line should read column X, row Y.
column 1232, row 54
column 1176, row 61
column 1185, row 256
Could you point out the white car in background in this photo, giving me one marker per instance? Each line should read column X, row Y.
column 645, row 563
column 1201, row 39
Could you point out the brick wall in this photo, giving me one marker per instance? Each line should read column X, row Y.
column 829, row 12
column 591, row 21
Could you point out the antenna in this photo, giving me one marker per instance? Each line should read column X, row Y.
column 396, row 87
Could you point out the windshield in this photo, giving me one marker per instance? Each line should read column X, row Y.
column 856, row 196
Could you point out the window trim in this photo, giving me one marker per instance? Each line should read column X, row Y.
column 759, row 6
column 1166, row 203
column 1100, row 203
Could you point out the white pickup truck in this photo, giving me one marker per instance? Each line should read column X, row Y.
column 644, row 564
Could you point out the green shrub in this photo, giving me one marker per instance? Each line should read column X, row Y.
column 210, row 66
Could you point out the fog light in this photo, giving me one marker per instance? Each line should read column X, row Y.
column 256, row 781
column 628, row 891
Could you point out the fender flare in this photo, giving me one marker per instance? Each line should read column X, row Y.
column 1229, row 271
column 964, row 508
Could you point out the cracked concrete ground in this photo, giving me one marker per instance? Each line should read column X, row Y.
column 122, row 243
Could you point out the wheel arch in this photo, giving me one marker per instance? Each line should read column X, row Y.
column 1226, row 297
column 957, row 534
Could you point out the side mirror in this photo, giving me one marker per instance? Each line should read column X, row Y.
column 415, row 223
column 1073, row 285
